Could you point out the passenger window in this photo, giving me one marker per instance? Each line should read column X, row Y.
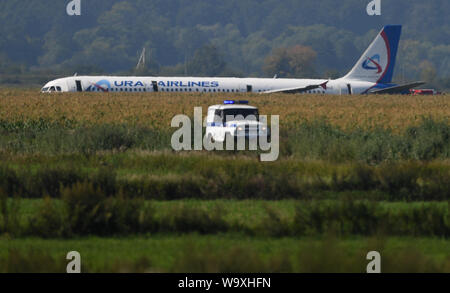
column 218, row 116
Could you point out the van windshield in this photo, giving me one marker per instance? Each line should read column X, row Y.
column 241, row 114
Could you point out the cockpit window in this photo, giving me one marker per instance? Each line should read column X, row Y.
column 44, row 89
column 52, row 89
column 58, row 88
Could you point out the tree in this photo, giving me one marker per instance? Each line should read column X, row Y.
column 427, row 71
column 297, row 61
column 207, row 61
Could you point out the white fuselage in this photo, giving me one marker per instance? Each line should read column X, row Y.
column 201, row 84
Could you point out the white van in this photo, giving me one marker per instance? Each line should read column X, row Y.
column 235, row 118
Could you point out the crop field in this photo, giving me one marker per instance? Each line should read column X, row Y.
column 156, row 111
column 96, row 173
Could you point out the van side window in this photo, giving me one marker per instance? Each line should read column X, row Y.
column 218, row 116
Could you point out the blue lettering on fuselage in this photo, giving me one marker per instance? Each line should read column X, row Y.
column 128, row 83
column 171, row 83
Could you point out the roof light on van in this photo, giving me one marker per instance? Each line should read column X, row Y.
column 231, row 102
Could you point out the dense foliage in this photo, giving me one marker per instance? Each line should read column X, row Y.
column 38, row 35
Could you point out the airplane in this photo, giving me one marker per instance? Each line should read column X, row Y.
column 372, row 74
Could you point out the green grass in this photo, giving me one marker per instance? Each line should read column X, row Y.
column 170, row 176
column 233, row 252
column 247, row 212
column 85, row 211
column 316, row 140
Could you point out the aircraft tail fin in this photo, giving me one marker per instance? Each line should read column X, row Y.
column 378, row 61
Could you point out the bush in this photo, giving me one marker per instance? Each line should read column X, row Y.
column 9, row 181
column 9, row 214
column 184, row 219
column 369, row 218
column 90, row 212
column 51, row 220
column 274, row 224
column 49, row 181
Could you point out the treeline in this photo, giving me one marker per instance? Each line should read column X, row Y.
column 38, row 35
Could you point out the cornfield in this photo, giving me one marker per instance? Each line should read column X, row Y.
column 157, row 110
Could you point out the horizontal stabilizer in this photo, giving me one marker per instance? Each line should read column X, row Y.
column 298, row 90
column 398, row 89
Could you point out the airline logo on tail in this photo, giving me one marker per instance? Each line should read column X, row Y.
column 378, row 61
column 373, row 63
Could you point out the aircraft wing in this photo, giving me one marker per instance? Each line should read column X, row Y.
column 397, row 89
column 298, row 90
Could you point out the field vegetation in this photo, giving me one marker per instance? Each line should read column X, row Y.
column 156, row 111
column 96, row 172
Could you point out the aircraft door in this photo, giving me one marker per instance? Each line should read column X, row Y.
column 155, row 85
column 345, row 89
column 78, row 85
column 249, row 88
